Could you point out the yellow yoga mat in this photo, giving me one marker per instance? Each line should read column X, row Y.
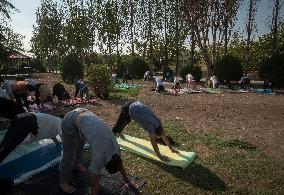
column 145, row 149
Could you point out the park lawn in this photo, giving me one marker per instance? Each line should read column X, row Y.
column 223, row 166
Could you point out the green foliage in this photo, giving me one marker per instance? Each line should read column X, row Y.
column 72, row 68
column 37, row 65
column 194, row 70
column 125, row 94
column 48, row 42
column 137, row 68
column 228, row 68
column 273, row 69
column 166, row 70
column 99, row 76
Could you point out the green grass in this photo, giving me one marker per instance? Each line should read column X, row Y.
column 124, row 94
column 223, row 166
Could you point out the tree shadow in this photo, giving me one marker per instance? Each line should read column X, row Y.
column 196, row 174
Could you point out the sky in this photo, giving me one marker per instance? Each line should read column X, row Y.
column 22, row 22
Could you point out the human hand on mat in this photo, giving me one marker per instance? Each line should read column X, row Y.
column 164, row 158
column 131, row 184
column 120, row 135
column 175, row 150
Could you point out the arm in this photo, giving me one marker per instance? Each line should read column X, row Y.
column 56, row 141
column 156, row 149
column 94, row 184
column 127, row 182
column 166, row 140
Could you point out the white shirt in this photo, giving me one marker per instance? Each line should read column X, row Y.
column 48, row 126
column 214, row 79
column 176, row 80
column 189, row 78
column 159, row 82
column 31, row 82
column 147, row 73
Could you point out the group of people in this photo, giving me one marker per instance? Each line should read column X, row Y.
column 77, row 127
column 40, row 93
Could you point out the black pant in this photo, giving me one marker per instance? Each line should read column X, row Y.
column 161, row 88
column 22, row 97
column 9, row 109
column 19, row 129
column 123, row 119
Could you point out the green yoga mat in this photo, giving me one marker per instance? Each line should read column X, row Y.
column 127, row 86
column 145, row 149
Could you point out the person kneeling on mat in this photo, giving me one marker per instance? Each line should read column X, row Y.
column 82, row 125
column 38, row 125
column 145, row 118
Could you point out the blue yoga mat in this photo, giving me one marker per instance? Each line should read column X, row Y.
column 29, row 159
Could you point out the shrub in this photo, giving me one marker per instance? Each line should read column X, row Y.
column 72, row 68
column 99, row 77
column 272, row 69
column 194, row 70
column 228, row 68
column 37, row 65
column 137, row 68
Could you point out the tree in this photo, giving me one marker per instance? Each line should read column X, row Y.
column 47, row 42
column 228, row 69
column 250, row 26
column 275, row 23
column 78, row 28
column 5, row 8
column 99, row 76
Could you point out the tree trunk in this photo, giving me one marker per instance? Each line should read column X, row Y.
column 226, row 38
column 192, row 48
column 249, row 29
column 150, row 36
column 177, row 37
column 131, row 29
column 275, row 25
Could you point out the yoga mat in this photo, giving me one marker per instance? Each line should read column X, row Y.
column 263, row 91
column 46, row 183
column 145, row 149
column 127, row 86
column 185, row 90
column 209, row 90
column 29, row 159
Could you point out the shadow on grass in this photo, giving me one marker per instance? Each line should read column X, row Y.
column 196, row 174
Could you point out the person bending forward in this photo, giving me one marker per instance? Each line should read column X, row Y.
column 81, row 125
column 146, row 119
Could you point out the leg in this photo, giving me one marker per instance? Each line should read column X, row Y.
column 15, row 135
column 18, row 98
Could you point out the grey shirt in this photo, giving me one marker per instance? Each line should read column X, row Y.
column 144, row 116
column 97, row 134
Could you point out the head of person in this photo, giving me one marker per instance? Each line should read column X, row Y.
column 30, row 87
column 114, row 165
column 159, row 131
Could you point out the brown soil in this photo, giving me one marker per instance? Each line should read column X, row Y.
column 248, row 116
